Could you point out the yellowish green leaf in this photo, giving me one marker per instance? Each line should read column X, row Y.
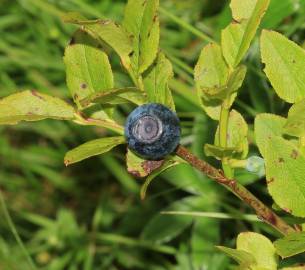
column 290, row 245
column 92, row 148
column 295, row 125
column 243, row 258
column 260, row 247
column 214, row 81
column 33, row 106
column 141, row 167
column 231, row 38
column 156, row 82
column 168, row 163
column 142, row 23
column 211, row 70
column 284, row 65
column 237, row 136
column 87, row 67
column 116, row 96
column 219, row 152
column 285, row 174
column 253, row 251
column 266, row 126
column 236, row 38
column 229, row 90
column 242, row 10
column 106, row 31
column 284, row 162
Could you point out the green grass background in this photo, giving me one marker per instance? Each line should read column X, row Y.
column 89, row 215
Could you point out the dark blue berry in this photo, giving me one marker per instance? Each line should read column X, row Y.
column 152, row 131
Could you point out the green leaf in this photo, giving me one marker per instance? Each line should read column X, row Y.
column 116, row 96
column 33, row 106
column 170, row 162
column 219, row 152
column 253, row 251
column 242, row 10
column 260, row 247
column 285, row 174
column 87, row 67
column 235, row 80
column 237, row 37
column 211, row 70
column 266, row 126
column 284, row 164
column 142, row 23
column 156, row 82
column 228, row 91
column 237, row 135
column 141, row 167
column 295, row 125
column 214, row 81
column 105, row 31
column 290, row 245
column 243, row 258
column 92, row 148
column 231, row 38
column 284, row 63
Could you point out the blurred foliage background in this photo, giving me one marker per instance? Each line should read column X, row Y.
column 90, row 216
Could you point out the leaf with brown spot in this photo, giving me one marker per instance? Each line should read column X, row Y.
column 140, row 167
column 214, row 81
column 33, row 106
column 281, row 160
column 294, row 154
column 150, row 165
column 162, row 166
column 87, row 68
column 271, row 180
column 267, row 126
column 286, row 77
column 284, row 163
column 295, row 125
column 142, row 22
column 105, row 31
column 288, row 191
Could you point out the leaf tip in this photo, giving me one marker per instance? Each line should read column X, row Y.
column 67, row 162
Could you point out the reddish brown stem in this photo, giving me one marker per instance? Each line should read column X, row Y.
column 262, row 211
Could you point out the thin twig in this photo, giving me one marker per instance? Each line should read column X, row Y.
column 263, row 212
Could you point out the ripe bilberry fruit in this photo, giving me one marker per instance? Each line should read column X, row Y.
column 152, row 131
